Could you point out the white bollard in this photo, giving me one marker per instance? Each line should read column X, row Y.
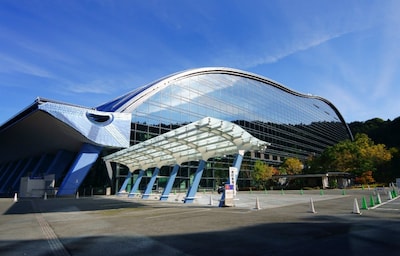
column 15, row 197
column 257, row 204
column 312, row 209
column 45, row 196
column 211, row 200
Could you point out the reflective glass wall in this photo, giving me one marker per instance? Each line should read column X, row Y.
column 295, row 125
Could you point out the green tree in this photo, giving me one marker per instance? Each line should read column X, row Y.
column 262, row 173
column 357, row 157
column 292, row 165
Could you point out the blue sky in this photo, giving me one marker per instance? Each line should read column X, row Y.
column 88, row 52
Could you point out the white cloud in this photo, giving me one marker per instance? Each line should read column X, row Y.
column 295, row 47
column 9, row 65
column 98, row 86
column 348, row 104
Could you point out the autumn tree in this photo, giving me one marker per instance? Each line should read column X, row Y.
column 292, row 165
column 357, row 157
column 365, row 178
column 262, row 173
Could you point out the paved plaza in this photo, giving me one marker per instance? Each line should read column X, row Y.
column 310, row 222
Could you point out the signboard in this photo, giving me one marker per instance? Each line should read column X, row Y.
column 229, row 191
column 233, row 171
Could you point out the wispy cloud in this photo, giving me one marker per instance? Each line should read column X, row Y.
column 99, row 86
column 9, row 64
column 295, row 47
column 350, row 105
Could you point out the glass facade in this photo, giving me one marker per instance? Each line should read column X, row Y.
column 296, row 125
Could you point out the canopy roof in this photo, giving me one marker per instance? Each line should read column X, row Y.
column 200, row 140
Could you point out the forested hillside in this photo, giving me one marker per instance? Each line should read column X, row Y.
column 383, row 132
column 380, row 131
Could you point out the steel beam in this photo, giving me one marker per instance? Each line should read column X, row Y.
column 170, row 183
column 236, row 163
column 190, row 196
column 87, row 156
column 122, row 190
column 136, row 185
column 150, row 185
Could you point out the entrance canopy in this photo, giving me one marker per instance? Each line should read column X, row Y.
column 200, row 140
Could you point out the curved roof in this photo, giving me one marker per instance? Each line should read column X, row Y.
column 127, row 102
column 200, row 140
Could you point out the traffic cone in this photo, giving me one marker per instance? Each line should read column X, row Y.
column 378, row 198
column 211, row 201
column 394, row 193
column 356, row 209
column 371, row 201
column 312, row 209
column 364, row 203
column 15, row 197
column 257, row 204
column 390, row 196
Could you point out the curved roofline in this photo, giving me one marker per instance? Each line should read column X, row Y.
column 154, row 87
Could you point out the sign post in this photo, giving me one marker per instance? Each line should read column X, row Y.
column 233, row 171
column 230, row 189
column 229, row 195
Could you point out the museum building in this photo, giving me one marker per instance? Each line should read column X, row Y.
column 72, row 149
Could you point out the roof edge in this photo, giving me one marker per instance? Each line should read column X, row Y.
column 31, row 109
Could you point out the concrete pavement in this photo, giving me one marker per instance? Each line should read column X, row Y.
column 123, row 226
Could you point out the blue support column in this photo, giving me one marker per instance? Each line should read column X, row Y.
column 60, row 163
column 136, row 185
column 5, row 185
column 126, row 181
column 170, row 183
column 87, row 156
column 37, row 166
column 150, row 185
column 236, row 163
column 5, row 172
column 196, row 181
column 6, row 168
column 16, row 182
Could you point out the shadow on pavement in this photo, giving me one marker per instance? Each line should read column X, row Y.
column 333, row 237
column 26, row 206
